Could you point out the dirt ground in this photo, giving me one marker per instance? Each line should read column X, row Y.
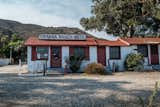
column 77, row 90
column 14, row 69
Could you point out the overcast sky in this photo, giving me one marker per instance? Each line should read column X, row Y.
column 46, row 12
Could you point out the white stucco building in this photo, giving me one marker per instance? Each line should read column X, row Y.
column 53, row 49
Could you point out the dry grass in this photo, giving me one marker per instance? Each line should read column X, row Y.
column 78, row 90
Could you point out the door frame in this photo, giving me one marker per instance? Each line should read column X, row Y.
column 104, row 57
column 52, row 56
column 156, row 55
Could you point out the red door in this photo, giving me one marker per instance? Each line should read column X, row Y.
column 56, row 57
column 154, row 55
column 101, row 54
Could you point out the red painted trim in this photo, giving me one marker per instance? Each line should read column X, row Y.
column 41, row 58
column 87, row 53
column 34, row 53
column 86, row 50
column 154, row 55
column 60, row 63
column 101, row 55
column 71, row 51
column 119, row 58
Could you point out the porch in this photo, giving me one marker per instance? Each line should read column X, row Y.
column 152, row 56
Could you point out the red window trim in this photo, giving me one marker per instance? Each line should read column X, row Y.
column 86, row 50
column 42, row 58
column 119, row 53
column 33, row 56
column 34, row 53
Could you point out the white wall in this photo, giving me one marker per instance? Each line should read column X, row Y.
column 4, row 61
column 35, row 66
column 148, row 59
column 93, row 54
column 92, row 57
column 124, row 52
column 65, row 55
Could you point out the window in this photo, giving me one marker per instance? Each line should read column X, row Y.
column 143, row 50
column 114, row 52
column 79, row 51
column 42, row 52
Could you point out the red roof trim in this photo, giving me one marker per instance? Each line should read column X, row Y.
column 34, row 41
column 118, row 42
column 134, row 41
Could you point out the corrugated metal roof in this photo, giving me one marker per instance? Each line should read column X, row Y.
column 142, row 40
column 36, row 41
column 91, row 41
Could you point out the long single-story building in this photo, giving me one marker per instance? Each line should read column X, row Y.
column 54, row 49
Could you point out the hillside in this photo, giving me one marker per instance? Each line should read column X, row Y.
column 8, row 27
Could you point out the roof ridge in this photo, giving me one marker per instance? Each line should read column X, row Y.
column 127, row 43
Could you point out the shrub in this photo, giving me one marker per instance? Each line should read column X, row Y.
column 75, row 63
column 95, row 68
column 134, row 62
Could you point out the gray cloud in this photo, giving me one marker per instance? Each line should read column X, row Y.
column 65, row 8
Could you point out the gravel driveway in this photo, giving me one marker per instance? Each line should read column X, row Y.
column 118, row 90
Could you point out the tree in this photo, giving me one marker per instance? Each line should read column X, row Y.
column 3, row 45
column 124, row 17
column 13, row 42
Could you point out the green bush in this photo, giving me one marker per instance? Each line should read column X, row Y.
column 75, row 63
column 134, row 62
column 95, row 68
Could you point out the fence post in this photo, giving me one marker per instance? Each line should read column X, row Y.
column 44, row 71
column 20, row 66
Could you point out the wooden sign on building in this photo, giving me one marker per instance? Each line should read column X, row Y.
column 62, row 36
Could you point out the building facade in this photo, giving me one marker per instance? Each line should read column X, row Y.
column 54, row 49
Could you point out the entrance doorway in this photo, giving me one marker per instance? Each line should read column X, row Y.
column 56, row 57
column 154, row 55
column 101, row 53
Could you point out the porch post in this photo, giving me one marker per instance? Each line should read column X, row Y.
column 65, row 55
column 159, row 52
column 107, row 56
column 93, row 54
column 149, row 54
column 49, row 57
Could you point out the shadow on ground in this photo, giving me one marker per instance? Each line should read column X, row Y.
column 68, row 92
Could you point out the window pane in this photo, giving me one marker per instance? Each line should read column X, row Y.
column 114, row 53
column 56, row 52
column 79, row 51
column 143, row 50
column 42, row 49
column 42, row 52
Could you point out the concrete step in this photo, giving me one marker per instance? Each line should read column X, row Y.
column 148, row 68
column 55, row 71
column 156, row 67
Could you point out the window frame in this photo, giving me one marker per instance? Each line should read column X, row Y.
column 119, row 53
column 40, row 53
column 138, row 50
column 79, row 47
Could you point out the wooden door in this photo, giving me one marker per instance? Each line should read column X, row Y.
column 56, row 57
column 101, row 54
column 154, row 55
